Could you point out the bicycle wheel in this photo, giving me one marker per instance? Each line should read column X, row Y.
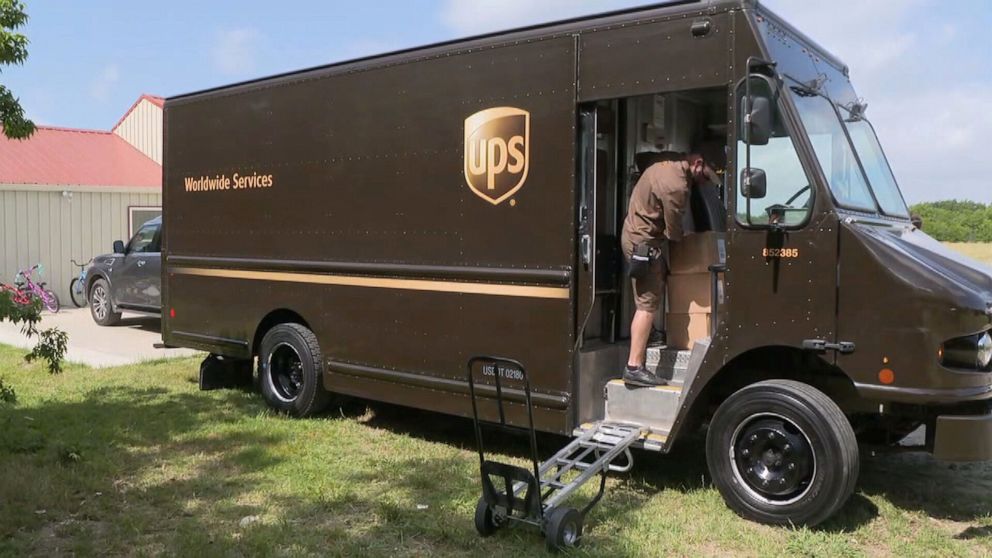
column 51, row 301
column 77, row 292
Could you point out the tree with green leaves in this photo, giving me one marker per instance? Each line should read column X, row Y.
column 956, row 220
column 51, row 345
column 13, row 51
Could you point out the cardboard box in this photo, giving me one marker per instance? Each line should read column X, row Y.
column 685, row 329
column 690, row 293
column 697, row 252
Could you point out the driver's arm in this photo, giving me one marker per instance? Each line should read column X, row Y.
column 673, row 192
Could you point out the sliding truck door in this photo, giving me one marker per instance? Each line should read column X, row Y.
column 413, row 212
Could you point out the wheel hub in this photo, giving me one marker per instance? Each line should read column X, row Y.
column 286, row 370
column 774, row 458
column 100, row 302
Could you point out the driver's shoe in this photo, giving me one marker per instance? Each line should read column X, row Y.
column 640, row 377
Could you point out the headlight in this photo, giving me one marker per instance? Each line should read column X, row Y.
column 971, row 353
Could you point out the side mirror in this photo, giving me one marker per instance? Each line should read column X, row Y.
column 756, row 129
column 754, row 183
column 118, row 247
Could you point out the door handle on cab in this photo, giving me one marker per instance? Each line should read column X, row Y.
column 585, row 248
column 822, row 346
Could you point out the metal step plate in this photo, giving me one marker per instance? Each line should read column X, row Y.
column 670, row 364
column 650, row 440
column 654, row 408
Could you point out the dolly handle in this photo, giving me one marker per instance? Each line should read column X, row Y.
column 514, row 364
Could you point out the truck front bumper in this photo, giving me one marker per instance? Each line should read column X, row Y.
column 963, row 438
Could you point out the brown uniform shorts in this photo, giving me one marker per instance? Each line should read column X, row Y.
column 648, row 289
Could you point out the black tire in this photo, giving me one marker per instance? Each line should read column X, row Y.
column 54, row 304
column 782, row 453
column 77, row 292
column 563, row 529
column 290, row 371
column 487, row 521
column 101, row 306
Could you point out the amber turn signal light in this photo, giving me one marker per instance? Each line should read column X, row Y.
column 887, row 376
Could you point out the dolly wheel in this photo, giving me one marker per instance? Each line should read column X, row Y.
column 563, row 529
column 487, row 521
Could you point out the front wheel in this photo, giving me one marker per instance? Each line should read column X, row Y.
column 51, row 301
column 563, row 529
column 101, row 307
column 782, row 453
column 77, row 292
column 290, row 371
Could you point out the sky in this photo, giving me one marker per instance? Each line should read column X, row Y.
column 922, row 65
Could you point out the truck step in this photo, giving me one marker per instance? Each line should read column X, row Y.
column 670, row 364
column 650, row 440
column 654, row 408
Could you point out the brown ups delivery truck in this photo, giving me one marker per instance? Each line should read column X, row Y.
column 367, row 227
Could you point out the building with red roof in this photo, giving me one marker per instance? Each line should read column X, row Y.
column 68, row 193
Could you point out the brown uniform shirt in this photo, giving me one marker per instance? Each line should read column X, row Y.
column 657, row 205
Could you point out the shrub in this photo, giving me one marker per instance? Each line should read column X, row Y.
column 7, row 393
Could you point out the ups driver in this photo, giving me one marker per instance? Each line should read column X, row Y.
column 654, row 217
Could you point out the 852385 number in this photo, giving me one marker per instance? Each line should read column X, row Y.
column 780, row 252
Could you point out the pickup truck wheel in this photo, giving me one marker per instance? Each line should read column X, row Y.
column 782, row 453
column 101, row 307
column 290, row 371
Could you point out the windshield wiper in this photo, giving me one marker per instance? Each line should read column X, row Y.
column 857, row 110
column 811, row 88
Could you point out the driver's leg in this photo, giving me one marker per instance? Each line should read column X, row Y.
column 647, row 299
column 640, row 331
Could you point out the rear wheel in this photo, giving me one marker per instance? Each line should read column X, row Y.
column 290, row 371
column 782, row 453
column 77, row 292
column 101, row 308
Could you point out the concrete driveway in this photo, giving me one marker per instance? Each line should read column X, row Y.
column 129, row 342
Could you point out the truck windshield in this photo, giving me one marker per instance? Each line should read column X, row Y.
column 876, row 166
column 833, row 150
column 821, row 89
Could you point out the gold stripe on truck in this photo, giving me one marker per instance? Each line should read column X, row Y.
column 494, row 289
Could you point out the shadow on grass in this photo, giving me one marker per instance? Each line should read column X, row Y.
column 77, row 472
column 918, row 482
column 108, row 471
column 910, row 481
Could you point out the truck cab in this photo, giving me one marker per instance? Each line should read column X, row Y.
column 812, row 282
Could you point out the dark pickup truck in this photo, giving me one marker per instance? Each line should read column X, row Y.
column 128, row 279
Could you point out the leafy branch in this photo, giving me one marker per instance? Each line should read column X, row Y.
column 52, row 343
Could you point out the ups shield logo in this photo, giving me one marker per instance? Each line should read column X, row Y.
column 497, row 152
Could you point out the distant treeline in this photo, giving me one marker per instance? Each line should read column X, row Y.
column 956, row 221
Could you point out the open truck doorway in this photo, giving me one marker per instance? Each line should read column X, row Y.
column 631, row 134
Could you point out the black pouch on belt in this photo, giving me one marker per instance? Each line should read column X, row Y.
column 640, row 262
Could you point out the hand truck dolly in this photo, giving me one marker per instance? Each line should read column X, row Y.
column 535, row 496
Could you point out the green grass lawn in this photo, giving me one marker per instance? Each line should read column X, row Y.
column 136, row 461
column 981, row 251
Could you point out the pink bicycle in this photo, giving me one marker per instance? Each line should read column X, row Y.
column 29, row 289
